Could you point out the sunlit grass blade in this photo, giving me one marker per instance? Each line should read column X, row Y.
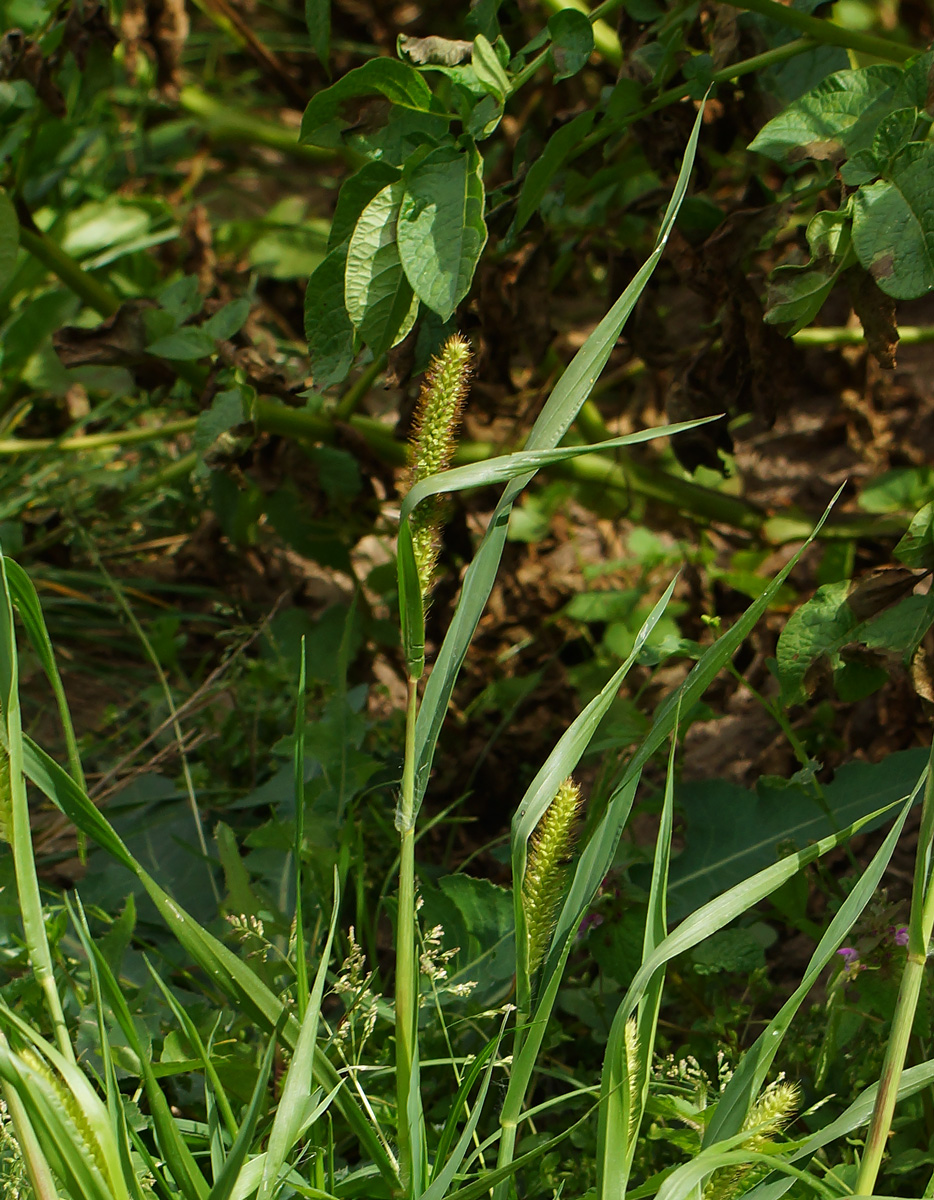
column 446, row 1166
column 237, row 1156
column 553, row 422
column 749, row 1076
column 26, row 599
column 14, row 814
column 298, row 782
column 297, row 1100
column 713, row 916
column 223, row 967
column 113, row 1096
column 506, row 467
column 173, row 1148
column 621, row 1113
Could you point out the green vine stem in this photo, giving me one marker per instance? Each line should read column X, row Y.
column 225, row 124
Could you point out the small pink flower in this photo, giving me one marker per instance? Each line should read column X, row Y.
column 591, row 921
column 850, row 958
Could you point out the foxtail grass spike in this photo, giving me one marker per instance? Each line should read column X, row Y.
column 434, row 437
column 768, row 1116
column 551, row 845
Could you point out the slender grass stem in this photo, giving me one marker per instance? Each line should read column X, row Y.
column 920, row 925
column 225, row 124
column 841, row 335
column 406, row 974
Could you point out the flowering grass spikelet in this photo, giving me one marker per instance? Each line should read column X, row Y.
column 775, row 1107
column 550, row 847
column 434, row 436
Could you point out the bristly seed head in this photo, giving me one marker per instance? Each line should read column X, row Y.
column 434, row 436
column 550, row 847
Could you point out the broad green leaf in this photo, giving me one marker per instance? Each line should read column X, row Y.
column 546, row 165
column 228, row 320
column 732, row 832
column 893, row 224
column 9, row 238
column 916, row 549
column 378, row 296
column 356, row 193
column 833, row 120
column 488, row 68
column 226, row 411
column 186, row 344
column 318, row 20
column 830, row 621
column 571, row 42
column 400, row 84
column 441, row 229
column 328, row 328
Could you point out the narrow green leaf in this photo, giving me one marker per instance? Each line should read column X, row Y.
column 546, row 165
column 411, row 605
column 291, row 1119
column 236, row 1158
column 318, row 20
column 441, row 229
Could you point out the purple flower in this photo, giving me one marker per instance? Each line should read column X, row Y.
column 850, row 958
column 900, row 935
column 591, row 921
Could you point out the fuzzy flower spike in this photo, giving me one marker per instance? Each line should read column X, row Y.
column 434, row 437
column 550, row 847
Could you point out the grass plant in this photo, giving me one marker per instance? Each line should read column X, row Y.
column 312, row 1123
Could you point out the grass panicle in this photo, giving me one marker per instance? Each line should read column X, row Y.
column 550, row 848
column 434, row 439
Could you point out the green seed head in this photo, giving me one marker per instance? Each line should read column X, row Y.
column 434, row 437
column 550, row 847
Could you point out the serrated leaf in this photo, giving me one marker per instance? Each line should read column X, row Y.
column 9, row 238
column 571, row 42
column 183, row 345
column 893, row 224
column 399, row 83
column 379, row 298
column 441, row 228
column 318, row 20
column 328, row 328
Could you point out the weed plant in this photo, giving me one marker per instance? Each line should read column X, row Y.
column 289, row 1074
